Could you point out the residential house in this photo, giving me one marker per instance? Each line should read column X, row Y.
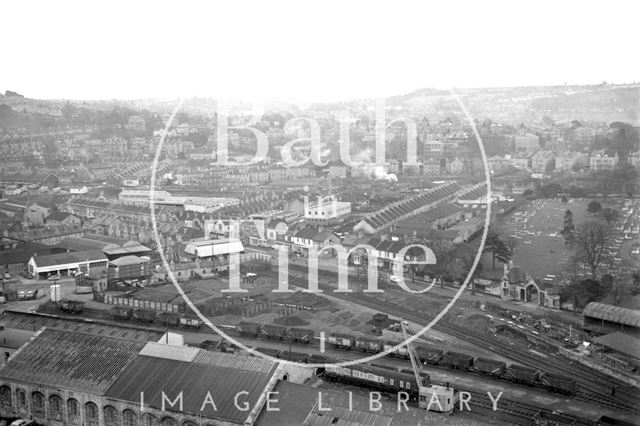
column 522, row 160
column 604, row 159
column 311, row 238
column 569, row 161
column 62, row 218
column 543, row 161
column 35, row 214
column 527, row 143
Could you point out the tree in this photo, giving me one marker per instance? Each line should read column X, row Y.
column 594, row 207
column 618, row 286
column 550, row 190
column 609, row 215
column 498, row 248
column 591, row 240
column 580, row 293
column 568, row 228
column 527, row 193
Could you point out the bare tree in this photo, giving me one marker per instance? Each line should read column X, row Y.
column 590, row 241
column 618, row 288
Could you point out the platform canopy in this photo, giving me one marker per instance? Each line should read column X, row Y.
column 621, row 342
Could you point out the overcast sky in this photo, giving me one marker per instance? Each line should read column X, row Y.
column 325, row 50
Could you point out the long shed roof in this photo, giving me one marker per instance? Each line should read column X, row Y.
column 612, row 313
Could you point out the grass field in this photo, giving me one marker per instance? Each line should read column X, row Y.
column 536, row 227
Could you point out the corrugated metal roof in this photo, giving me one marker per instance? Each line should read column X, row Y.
column 219, row 359
column 156, row 375
column 78, row 361
column 161, row 350
column 621, row 342
column 66, row 258
column 34, row 321
column 613, row 313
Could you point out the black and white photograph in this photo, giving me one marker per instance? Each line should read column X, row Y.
column 305, row 213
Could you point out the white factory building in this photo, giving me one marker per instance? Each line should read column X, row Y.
column 188, row 202
column 326, row 209
column 66, row 264
column 203, row 248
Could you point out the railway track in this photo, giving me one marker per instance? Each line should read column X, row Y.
column 509, row 411
column 626, row 398
column 593, row 386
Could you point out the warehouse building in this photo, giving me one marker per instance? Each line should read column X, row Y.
column 601, row 318
column 66, row 377
column 66, row 264
column 203, row 248
column 132, row 270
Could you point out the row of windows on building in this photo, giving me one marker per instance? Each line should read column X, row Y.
column 53, row 408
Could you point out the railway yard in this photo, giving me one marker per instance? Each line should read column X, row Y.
column 475, row 348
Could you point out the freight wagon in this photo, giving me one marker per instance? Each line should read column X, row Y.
column 73, row 306
column 120, row 312
column 273, row 332
column 342, row 341
column 402, row 352
column 525, row 375
column 490, row 366
column 428, row 355
column 186, row 321
column 143, row 315
column 367, row 345
column 169, row 319
column 301, row 335
column 557, row 383
column 457, row 361
column 248, row 328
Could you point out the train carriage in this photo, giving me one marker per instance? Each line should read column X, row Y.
column 301, row 335
column 490, row 366
column 457, row 361
column 341, row 341
column 431, row 356
column 169, row 318
column 189, row 321
column 558, row 383
column 245, row 328
column 73, row 306
column 402, row 352
column 121, row 312
column 273, row 332
column 525, row 375
column 364, row 344
column 144, row 315
column 388, row 380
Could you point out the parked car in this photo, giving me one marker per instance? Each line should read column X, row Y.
column 54, row 277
